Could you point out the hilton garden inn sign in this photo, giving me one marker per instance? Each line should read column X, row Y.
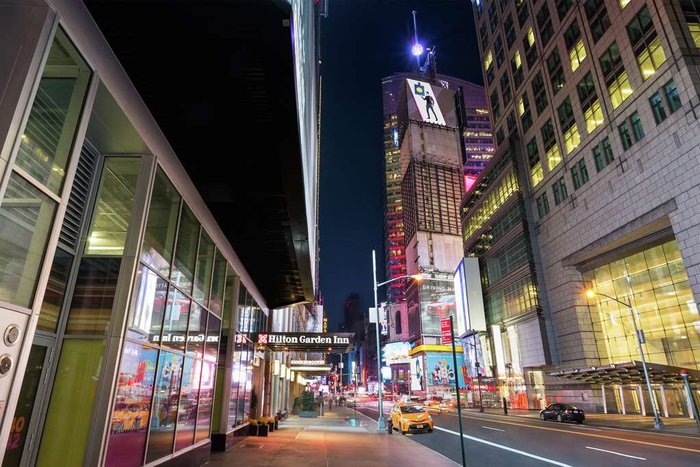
column 310, row 341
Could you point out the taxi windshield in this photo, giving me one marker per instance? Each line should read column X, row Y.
column 412, row 409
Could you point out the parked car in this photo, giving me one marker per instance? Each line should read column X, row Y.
column 562, row 413
column 407, row 417
column 443, row 307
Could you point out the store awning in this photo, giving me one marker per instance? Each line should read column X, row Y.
column 628, row 373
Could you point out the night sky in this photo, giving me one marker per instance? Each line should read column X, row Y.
column 363, row 41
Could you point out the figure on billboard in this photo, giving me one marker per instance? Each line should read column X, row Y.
column 429, row 102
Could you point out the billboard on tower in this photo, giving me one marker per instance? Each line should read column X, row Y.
column 430, row 103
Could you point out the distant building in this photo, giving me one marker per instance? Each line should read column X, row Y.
column 476, row 148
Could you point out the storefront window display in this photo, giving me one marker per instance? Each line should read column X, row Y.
column 132, row 406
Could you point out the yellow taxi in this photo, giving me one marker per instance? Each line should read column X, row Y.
column 407, row 417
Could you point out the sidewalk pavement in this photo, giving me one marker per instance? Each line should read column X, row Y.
column 676, row 425
column 341, row 438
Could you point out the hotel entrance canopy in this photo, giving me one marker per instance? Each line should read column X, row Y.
column 629, row 373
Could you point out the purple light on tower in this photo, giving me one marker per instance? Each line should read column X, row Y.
column 417, row 49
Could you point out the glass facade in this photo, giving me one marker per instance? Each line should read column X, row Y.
column 656, row 282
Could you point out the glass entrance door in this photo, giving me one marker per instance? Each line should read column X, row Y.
column 22, row 433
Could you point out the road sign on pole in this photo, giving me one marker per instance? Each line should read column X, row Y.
column 451, row 335
column 446, row 330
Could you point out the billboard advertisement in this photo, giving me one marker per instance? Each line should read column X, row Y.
column 468, row 297
column 430, row 103
column 397, row 352
column 417, row 375
column 437, row 300
column 441, row 372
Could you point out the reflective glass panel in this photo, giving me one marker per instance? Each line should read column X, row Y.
column 25, row 406
column 162, row 426
column 159, row 238
column 217, row 286
column 177, row 314
column 132, row 406
column 662, row 302
column 186, row 250
column 91, row 308
column 196, row 331
column 147, row 306
column 187, row 409
column 55, row 291
column 115, row 199
column 205, row 261
column 206, row 399
column 48, row 137
column 72, row 399
column 26, row 217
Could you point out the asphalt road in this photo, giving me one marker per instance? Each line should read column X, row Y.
column 492, row 440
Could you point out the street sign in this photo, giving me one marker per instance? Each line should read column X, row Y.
column 446, row 330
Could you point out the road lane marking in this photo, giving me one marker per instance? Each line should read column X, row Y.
column 490, row 428
column 616, row 453
column 506, row 448
column 592, row 435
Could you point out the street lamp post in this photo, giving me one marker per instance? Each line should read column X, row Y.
column 658, row 424
column 380, row 421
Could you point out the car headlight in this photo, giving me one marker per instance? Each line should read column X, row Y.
column 405, row 420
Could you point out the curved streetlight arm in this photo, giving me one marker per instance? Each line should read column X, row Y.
column 612, row 298
column 396, row 279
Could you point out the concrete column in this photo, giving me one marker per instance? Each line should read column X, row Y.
column 664, row 403
column 640, row 393
column 622, row 400
column 605, row 403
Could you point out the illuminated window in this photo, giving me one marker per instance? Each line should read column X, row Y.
column 524, row 112
column 550, row 145
column 574, row 44
column 536, row 173
column 664, row 308
column 623, row 3
column 530, row 37
column 571, row 139
column 577, row 55
column 619, row 90
column 645, row 43
column 492, row 202
column 488, row 60
column 593, row 116
column 691, row 11
column 517, row 69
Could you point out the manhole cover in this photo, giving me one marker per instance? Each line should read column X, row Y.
column 251, row 445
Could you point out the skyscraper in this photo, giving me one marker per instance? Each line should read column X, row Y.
column 593, row 105
column 476, row 149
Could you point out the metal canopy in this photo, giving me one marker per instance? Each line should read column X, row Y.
column 628, row 373
column 218, row 78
